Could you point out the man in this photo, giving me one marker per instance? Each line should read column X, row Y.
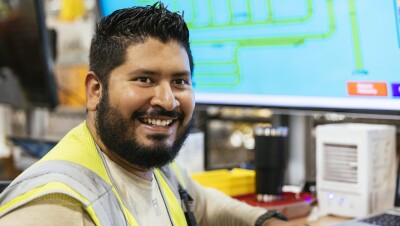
column 117, row 168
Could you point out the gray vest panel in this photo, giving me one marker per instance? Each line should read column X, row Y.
column 81, row 179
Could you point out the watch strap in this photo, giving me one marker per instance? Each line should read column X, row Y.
column 268, row 215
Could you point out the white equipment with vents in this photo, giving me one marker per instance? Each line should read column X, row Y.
column 356, row 168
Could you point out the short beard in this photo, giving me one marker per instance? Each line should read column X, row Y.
column 115, row 132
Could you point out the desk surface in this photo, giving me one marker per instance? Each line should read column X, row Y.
column 322, row 221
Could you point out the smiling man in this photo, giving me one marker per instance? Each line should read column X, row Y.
column 116, row 168
column 142, row 115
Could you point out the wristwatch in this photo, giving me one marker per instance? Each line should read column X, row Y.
column 270, row 214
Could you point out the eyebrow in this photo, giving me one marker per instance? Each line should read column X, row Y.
column 149, row 72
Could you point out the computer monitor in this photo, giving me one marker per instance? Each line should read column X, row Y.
column 27, row 53
column 293, row 54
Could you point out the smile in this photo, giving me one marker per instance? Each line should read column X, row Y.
column 156, row 122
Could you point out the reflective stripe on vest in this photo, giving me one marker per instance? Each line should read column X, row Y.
column 178, row 174
column 175, row 208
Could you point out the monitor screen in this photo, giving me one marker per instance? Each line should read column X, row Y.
column 297, row 54
column 26, row 51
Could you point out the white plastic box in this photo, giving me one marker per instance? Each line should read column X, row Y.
column 356, row 168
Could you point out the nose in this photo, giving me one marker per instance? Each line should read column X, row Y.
column 164, row 97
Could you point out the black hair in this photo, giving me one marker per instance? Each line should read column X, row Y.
column 129, row 26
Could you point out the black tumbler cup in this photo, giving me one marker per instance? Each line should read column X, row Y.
column 270, row 161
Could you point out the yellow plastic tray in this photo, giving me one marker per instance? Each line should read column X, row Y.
column 231, row 182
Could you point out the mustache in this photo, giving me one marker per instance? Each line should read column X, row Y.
column 158, row 113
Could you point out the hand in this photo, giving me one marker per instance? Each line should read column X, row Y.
column 277, row 222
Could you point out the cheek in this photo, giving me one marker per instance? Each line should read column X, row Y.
column 129, row 101
column 187, row 105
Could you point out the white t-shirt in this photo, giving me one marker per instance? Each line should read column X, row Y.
column 150, row 208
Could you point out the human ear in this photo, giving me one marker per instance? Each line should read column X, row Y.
column 93, row 91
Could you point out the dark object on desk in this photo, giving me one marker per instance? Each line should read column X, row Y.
column 4, row 184
column 35, row 148
column 270, row 162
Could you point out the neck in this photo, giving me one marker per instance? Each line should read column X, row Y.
column 146, row 174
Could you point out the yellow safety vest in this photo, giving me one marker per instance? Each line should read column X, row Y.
column 74, row 167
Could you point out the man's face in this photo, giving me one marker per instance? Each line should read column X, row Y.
column 145, row 114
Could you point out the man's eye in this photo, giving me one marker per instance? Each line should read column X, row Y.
column 181, row 82
column 143, row 80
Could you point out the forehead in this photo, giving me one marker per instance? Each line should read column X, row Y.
column 156, row 55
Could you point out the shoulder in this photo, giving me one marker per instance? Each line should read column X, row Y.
column 52, row 209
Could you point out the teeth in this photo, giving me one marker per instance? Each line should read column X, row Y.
column 157, row 122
